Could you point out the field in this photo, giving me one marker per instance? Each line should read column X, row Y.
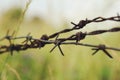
column 40, row 64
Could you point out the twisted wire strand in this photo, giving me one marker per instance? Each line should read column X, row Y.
column 74, row 39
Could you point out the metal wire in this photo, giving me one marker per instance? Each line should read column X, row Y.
column 74, row 39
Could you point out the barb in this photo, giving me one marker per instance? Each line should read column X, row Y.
column 74, row 39
column 101, row 47
column 57, row 43
column 8, row 37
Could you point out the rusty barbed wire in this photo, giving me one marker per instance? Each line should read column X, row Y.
column 74, row 39
column 83, row 23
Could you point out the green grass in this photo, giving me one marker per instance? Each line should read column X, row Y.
column 39, row 64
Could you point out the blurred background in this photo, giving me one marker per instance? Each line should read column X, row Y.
column 46, row 17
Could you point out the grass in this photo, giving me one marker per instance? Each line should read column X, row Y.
column 39, row 64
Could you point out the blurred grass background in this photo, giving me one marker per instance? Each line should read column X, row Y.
column 39, row 64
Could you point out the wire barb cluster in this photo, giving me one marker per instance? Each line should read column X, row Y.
column 75, row 39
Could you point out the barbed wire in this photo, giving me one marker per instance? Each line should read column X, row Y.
column 83, row 23
column 74, row 39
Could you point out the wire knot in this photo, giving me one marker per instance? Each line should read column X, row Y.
column 81, row 24
column 11, row 49
column 44, row 37
column 80, row 36
column 103, row 48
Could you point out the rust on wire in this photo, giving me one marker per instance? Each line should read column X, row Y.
column 74, row 39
